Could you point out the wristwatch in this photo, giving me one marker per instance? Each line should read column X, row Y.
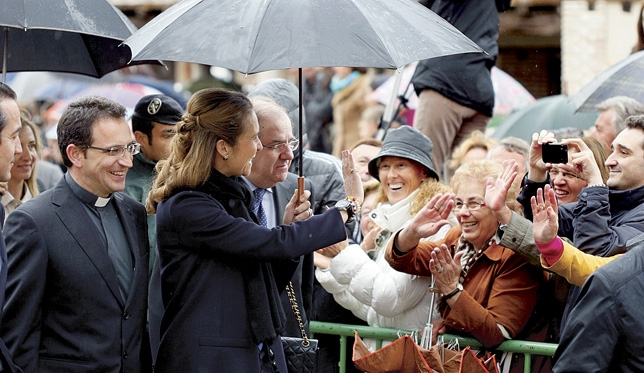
column 458, row 289
column 349, row 206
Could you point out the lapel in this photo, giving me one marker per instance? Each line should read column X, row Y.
column 86, row 235
column 132, row 229
column 282, row 193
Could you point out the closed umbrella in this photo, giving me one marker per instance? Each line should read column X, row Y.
column 75, row 36
column 259, row 35
column 622, row 79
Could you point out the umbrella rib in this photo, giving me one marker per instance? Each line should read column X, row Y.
column 259, row 24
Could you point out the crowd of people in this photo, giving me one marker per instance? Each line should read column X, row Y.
column 168, row 244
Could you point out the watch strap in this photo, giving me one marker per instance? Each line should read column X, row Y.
column 458, row 289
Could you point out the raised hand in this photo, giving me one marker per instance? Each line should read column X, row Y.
column 352, row 181
column 545, row 222
column 427, row 221
column 496, row 191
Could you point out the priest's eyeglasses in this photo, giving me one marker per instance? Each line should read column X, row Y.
column 118, row 151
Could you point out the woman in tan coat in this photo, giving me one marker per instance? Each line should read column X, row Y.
column 350, row 87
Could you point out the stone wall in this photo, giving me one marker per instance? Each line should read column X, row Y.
column 593, row 40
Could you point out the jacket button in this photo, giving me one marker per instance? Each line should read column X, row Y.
column 125, row 355
column 126, row 316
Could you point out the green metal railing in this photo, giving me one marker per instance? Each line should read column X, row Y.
column 527, row 348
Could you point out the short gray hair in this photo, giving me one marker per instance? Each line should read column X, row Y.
column 624, row 107
column 514, row 145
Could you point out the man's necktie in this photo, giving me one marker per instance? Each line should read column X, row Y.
column 258, row 209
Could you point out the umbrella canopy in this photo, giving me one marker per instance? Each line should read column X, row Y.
column 251, row 36
column 622, row 79
column 76, row 36
column 549, row 113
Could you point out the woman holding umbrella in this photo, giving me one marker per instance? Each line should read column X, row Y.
column 221, row 272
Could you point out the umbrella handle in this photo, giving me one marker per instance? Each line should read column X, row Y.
column 4, row 54
column 300, row 187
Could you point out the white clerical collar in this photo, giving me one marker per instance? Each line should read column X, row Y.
column 102, row 202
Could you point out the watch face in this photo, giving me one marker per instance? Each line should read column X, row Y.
column 343, row 204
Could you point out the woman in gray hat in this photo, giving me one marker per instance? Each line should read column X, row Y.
column 370, row 288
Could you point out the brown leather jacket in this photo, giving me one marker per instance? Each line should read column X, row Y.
column 500, row 288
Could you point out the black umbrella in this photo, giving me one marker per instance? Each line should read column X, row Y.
column 621, row 79
column 251, row 36
column 75, row 36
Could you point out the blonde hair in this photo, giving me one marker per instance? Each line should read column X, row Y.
column 479, row 172
column 212, row 115
column 476, row 140
column 31, row 182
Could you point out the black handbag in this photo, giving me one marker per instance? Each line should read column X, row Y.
column 300, row 353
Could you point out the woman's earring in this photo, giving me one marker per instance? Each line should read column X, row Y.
column 226, row 157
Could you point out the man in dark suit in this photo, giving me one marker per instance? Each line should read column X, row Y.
column 10, row 126
column 270, row 174
column 78, row 256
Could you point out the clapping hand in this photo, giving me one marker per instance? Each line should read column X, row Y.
column 445, row 269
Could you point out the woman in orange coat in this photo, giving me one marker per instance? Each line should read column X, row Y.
column 488, row 291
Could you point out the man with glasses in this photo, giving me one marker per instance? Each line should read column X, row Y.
column 273, row 186
column 76, row 297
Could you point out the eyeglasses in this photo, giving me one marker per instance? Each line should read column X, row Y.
column 471, row 205
column 119, row 151
column 278, row 148
column 554, row 172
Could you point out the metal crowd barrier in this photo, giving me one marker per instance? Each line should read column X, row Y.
column 527, row 348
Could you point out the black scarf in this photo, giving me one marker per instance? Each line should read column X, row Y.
column 265, row 311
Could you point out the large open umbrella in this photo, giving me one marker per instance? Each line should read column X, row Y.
column 622, row 79
column 258, row 35
column 76, row 36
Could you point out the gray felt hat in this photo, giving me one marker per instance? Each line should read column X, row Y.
column 409, row 143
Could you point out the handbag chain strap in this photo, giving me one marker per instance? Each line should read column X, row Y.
column 296, row 311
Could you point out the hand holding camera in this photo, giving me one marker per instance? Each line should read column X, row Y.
column 538, row 171
column 582, row 160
